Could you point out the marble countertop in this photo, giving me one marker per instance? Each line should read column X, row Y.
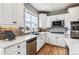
column 6, row 43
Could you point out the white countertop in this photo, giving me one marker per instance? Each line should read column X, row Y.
column 5, row 43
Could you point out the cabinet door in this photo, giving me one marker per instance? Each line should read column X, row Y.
column 48, row 22
column 53, row 18
column 67, row 20
column 19, row 14
column 61, row 17
column 7, row 13
column 60, row 40
column 42, row 20
column 56, row 39
column 19, row 48
column 47, row 37
column 39, row 42
column 52, row 39
column 22, row 51
column 12, row 12
column 43, row 40
column 74, row 12
column 43, row 35
column 12, row 53
column 1, row 13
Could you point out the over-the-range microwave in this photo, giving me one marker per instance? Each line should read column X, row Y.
column 57, row 23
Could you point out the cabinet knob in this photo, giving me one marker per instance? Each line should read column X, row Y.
column 18, row 52
column 18, row 46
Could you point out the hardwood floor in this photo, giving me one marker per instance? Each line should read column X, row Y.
column 48, row 49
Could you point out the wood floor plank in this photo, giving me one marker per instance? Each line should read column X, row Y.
column 52, row 50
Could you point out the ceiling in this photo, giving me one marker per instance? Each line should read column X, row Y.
column 48, row 7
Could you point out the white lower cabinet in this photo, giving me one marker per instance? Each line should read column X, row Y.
column 60, row 40
column 56, row 39
column 40, row 41
column 51, row 38
column 18, row 49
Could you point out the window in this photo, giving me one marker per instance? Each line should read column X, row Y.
column 31, row 22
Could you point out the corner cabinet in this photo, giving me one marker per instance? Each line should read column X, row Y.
column 11, row 13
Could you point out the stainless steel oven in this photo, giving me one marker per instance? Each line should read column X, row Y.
column 75, row 30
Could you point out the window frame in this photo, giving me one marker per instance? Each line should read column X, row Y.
column 32, row 14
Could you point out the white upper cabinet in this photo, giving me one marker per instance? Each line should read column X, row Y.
column 1, row 13
column 42, row 20
column 7, row 13
column 19, row 14
column 48, row 22
column 74, row 13
column 61, row 17
column 67, row 21
column 11, row 14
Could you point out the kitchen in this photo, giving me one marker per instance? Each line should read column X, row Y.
column 39, row 28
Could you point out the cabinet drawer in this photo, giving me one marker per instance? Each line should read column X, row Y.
column 11, row 48
column 21, row 51
column 12, row 53
column 16, row 53
column 21, row 45
column 15, row 47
